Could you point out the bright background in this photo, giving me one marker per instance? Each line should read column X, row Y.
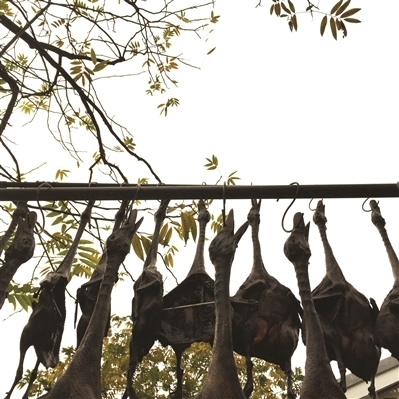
column 278, row 107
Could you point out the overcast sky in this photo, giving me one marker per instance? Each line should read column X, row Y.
column 278, row 107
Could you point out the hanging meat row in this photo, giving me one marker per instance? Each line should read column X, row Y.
column 263, row 319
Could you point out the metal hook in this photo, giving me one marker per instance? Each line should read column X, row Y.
column 224, row 204
column 289, row 206
column 310, row 202
column 364, row 209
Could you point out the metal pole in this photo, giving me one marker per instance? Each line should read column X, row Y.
column 61, row 191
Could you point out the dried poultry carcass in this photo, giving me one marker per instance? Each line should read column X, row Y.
column 21, row 248
column 387, row 325
column 147, row 305
column 87, row 293
column 183, row 324
column 46, row 324
column 319, row 381
column 271, row 331
column 222, row 380
column 347, row 317
column 82, row 378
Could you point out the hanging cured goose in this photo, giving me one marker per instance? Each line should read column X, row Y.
column 146, row 306
column 46, row 323
column 319, row 381
column 222, row 380
column 87, row 293
column 183, row 324
column 346, row 316
column 82, row 378
column 387, row 326
column 270, row 332
column 21, row 248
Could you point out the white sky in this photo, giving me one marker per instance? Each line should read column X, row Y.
column 278, row 107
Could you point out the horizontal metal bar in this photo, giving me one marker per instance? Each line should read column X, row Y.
column 61, row 191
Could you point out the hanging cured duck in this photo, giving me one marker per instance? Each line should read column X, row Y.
column 346, row 316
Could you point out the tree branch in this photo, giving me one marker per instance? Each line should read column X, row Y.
column 14, row 95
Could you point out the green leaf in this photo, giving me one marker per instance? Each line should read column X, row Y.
column 88, row 249
column 271, row 9
column 168, row 236
column 350, row 12
column 27, row 107
column 83, row 241
column 11, row 299
column 52, row 214
column 93, row 57
column 185, row 226
column 23, row 301
column 100, row 66
column 335, row 8
column 58, row 220
column 292, row 7
column 352, row 20
column 165, row 234
column 343, row 8
column 323, row 25
column 137, row 247
column 92, row 258
column 333, row 28
column 193, row 226
column 211, row 51
column 215, row 160
column 212, row 163
column 146, row 243
column 87, row 262
column 294, row 22
column 278, row 9
column 285, row 8
column 214, row 18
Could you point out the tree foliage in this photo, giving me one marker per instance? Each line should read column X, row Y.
column 56, row 56
column 337, row 17
column 155, row 376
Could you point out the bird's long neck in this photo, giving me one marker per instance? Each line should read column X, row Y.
column 89, row 352
column 393, row 259
column 316, row 354
column 332, row 267
column 258, row 266
column 151, row 258
column 65, row 266
column 198, row 265
column 223, row 342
